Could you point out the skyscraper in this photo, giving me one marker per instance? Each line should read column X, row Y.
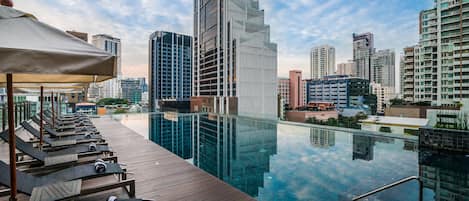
column 170, row 68
column 363, row 48
column 322, row 61
column 235, row 63
column 383, row 68
column 296, row 89
column 132, row 89
column 109, row 88
column 441, row 76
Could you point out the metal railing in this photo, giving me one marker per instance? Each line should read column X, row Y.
column 22, row 112
column 388, row 186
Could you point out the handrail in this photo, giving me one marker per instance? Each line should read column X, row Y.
column 404, row 180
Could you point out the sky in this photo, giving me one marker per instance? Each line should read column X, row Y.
column 296, row 25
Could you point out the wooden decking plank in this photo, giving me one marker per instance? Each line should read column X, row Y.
column 173, row 178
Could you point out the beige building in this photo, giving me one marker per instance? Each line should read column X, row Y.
column 408, row 65
column 345, row 68
column 283, row 89
column 383, row 94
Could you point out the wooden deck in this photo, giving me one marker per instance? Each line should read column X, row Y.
column 160, row 175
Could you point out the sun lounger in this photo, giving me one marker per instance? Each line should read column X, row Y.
column 62, row 141
column 51, row 188
column 65, row 156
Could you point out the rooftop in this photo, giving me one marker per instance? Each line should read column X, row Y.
column 402, row 121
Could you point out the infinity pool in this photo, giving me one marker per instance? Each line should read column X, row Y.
column 272, row 161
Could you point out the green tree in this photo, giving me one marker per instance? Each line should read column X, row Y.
column 112, row 101
column 397, row 101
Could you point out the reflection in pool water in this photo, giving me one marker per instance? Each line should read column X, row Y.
column 278, row 161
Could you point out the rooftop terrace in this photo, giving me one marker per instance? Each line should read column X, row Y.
column 159, row 174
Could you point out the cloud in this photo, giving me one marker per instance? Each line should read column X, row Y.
column 296, row 26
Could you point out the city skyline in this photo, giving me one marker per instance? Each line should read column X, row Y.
column 313, row 24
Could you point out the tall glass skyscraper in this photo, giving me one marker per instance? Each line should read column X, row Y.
column 170, row 67
column 235, row 63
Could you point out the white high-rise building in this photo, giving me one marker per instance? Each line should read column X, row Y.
column 383, row 66
column 442, row 67
column 322, row 61
column 235, row 63
column 110, row 88
column 383, row 96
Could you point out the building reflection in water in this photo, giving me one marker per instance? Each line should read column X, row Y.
column 363, row 146
column 446, row 174
column 321, row 138
column 236, row 150
column 173, row 132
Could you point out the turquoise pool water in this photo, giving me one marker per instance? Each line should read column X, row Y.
column 271, row 161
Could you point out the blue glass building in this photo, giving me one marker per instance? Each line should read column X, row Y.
column 170, row 67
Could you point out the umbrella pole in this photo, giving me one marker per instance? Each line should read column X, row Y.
column 12, row 140
column 41, row 113
column 53, row 111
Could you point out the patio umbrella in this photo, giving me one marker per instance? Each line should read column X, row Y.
column 34, row 52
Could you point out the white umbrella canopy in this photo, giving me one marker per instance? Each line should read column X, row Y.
column 35, row 52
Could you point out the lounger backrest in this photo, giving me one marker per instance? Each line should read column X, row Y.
column 25, row 147
column 51, row 131
column 30, row 129
column 25, row 182
column 35, row 132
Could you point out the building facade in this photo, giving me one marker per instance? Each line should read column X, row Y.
column 343, row 91
column 363, row 49
column 409, row 61
column 132, row 90
column 283, row 89
column 383, row 68
column 346, row 68
column 235, row 63
column 296, row 89
column 109, row 88
column 170, row 68
column 383, row 96
column 322, row 61
column 441, row 76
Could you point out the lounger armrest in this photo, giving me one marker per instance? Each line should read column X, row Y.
column 61, row 143
column 60, row 159
column 57, row 191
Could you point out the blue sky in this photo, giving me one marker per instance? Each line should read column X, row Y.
column 296, row 25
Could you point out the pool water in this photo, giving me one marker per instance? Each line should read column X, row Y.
column 273, row 160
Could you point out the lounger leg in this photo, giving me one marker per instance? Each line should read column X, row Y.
column 132, row 190
column 124, row 175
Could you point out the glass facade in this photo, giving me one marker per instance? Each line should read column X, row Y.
column 170, row 67
column 235, row 63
